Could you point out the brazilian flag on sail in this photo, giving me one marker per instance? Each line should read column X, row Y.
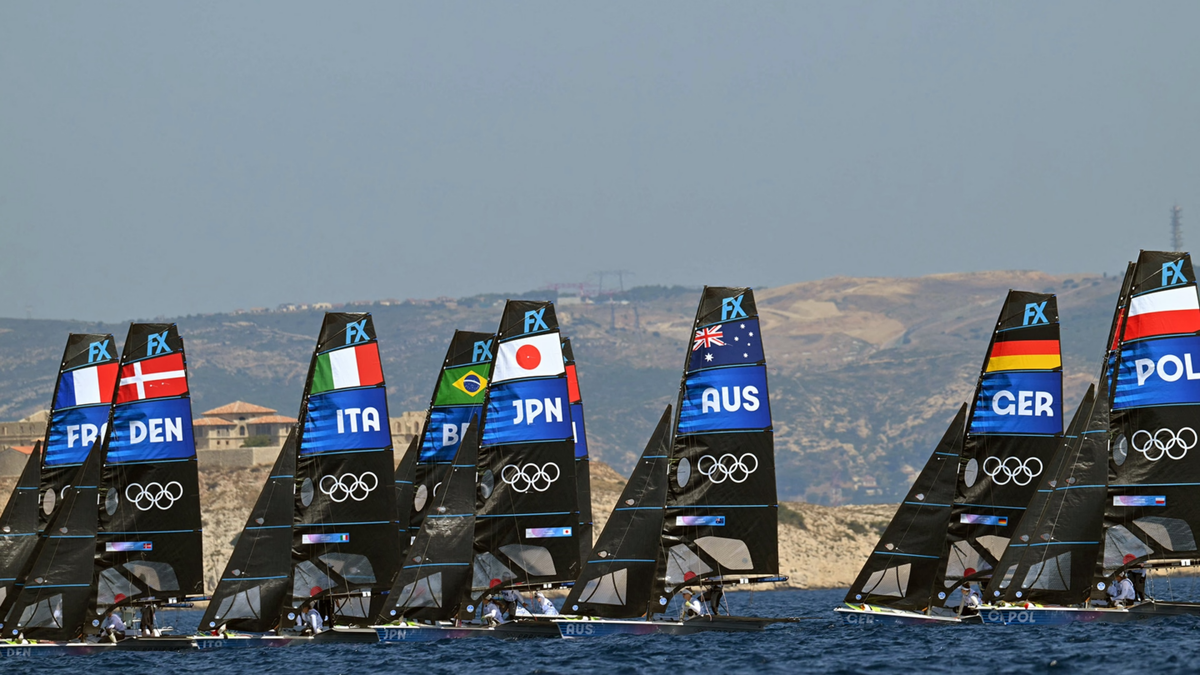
column 464, row 385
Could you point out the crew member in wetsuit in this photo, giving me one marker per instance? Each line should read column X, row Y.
column 148, row 628
column 713, row 596
column 113, row 628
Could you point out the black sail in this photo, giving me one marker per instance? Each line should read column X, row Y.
column 257, row 579
column 54, row 602
column 1054, row 548
column 1014, row 430
column 405, row 479
column 1151, row 511
column 344, row 539
column 527, row 511
column 19, row 526
column 721, row 516
column 618, row 576
column 457, row 398
column 83, row 395
column 435, row 576
column 902, row 570
column 583, row 476
column 149, row 546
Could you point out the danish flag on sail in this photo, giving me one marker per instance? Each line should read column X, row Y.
column 1170, row 312
column 153, row 378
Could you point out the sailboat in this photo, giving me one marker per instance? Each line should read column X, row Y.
column 128, row 530
column 713, row 521
column 323, row 530
column 79, row 409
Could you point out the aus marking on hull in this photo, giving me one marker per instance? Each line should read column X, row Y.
column 529, row 409
column 1023, row 403
column 352, row 416
column 729, row 399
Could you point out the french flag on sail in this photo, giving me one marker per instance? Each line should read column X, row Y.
column 1169, row 312
column 86, row 386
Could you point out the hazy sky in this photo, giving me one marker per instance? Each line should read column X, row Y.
column 172, row 158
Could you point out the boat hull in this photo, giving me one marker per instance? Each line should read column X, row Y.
column 1057, row 616
column 335, row 636
column 425, row 633
column 591, row 628
column 133, row 644
column 897, row 617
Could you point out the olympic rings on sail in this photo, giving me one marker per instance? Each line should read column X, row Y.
column 728, row 467
column 1164, row 444
column 349, row 486
column 154, row 495
column 1020, row 472
column 523, row 480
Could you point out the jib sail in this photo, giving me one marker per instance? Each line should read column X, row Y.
column 149, row 546
column 902, row 570
column 721, row 515
column 435, row 576
column 1151, row 511
column 1054, row 547
column 457, row 399
column 527, row 512
column 1014, row 430
column 19, row 526
column 618, row 575
column 583, row 480
column 344, row 539
column 257, row 579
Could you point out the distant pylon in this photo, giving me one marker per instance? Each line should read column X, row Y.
column 1176, row 228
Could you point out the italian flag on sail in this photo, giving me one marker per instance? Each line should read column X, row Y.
column 349, row 367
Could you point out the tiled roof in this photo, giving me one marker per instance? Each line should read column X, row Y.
column 272, row 419
column 239, row 408
column 23, row 449
column 211, row 422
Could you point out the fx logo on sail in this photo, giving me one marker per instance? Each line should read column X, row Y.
column 1035, row 313
column 1172, row 273
column 98, row 351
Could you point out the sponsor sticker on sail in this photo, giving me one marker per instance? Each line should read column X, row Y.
column 349, row 367
column 535, row 356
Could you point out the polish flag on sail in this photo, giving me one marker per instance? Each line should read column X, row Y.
column 1169, row 312
column 536, row 356
column 153, row 378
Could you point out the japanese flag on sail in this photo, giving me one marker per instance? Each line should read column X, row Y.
column 535, row 356
column 349, row 367
column 153, row 378
column 1169, row 312
column 86, row 386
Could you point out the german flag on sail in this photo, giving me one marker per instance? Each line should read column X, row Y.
column 1025, row 349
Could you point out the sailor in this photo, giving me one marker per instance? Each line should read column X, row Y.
column 491, row 613
column 544, row 606
column 1137, row 576
column 971, row 599
column 691, row 606
column 113, row 628
column 311, row 619
column 148, row 628
column 1121, row 591
column 712, row 597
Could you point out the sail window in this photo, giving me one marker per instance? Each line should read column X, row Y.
column 112, row 588
column 1120, row 450
column 1172, row 534
column 964, row 561
column 46, row 613
column 1122, row 547
column 490, row 572
column 310, row 581
column 159, row 576
column 426, row 592
column 306, row 492
column 421, row 497
column 1008, row 576
column 609, row 589
column 353, row 567
column 731, row 554
column 892, row 581
column 683, row 472
column 1052, row 574
column 971, row 472
column 245, row 604
column 535, row 560
column 49, row 499
column 111, row 501
column 356, row 606
column 683, row 565
column 994, row 544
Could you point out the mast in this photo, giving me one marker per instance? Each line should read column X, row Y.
column 902, row 570
column 527, row 511
column 1014, row 430
column 344, row 538
column 721, row 518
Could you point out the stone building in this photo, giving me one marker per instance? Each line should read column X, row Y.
column 232, row 424
column 25, row 431
column 404, row 427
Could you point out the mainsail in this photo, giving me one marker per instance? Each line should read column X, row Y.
column 1151, row 511
column 618, row 577
column 1055, row 546
column 902, row 570
column 257, row 579
column 344, row 539
column 1014, row 429
column 19, row 526
column 457, row 398
column 435, row 576
column 149, row 546
column 721, row 517
column 527, row 513
column 583, row 478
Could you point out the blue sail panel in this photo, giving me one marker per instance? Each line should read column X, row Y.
column 156, row 429
column 577, row 427
column 528, row 410
column 725, row 399
column 447, row 426
column 72, row 433
column 1019, row 403
column 348, row 419
column 1158, row 372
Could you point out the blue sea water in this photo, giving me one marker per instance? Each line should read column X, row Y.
column 816, row 642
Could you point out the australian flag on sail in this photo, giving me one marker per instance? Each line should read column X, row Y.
column 725, row 399
column 445, row 432
column 528, row 410
column 152, row 430
column 347, row 419
column 736, row 343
